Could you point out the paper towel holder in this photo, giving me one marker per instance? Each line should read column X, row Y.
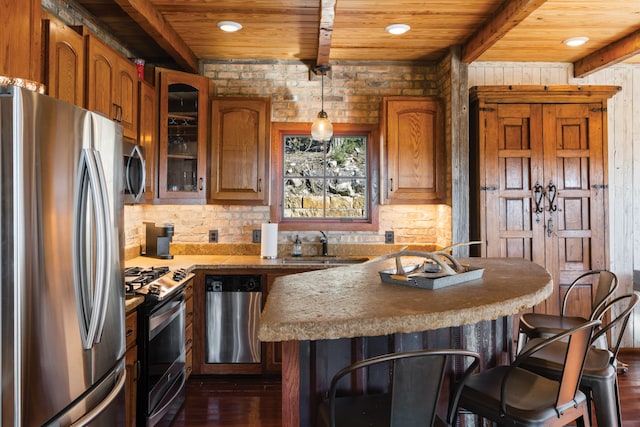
column 269, row 241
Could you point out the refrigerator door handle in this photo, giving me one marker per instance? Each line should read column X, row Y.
column 107, row 254
column 136, row 154
column 90, row 306
column 113, row 394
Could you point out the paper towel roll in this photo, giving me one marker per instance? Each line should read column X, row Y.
column 269, row 241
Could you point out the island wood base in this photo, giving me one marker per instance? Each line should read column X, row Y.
column 308, row 366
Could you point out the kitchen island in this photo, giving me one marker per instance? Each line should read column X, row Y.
column 330, row 318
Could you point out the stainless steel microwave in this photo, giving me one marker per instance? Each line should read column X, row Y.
column 134, row 173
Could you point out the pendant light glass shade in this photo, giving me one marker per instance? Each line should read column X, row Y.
column 322, row 129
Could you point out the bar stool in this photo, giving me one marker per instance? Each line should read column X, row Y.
column 512, row 395
column 599, row 378
column 414, row 392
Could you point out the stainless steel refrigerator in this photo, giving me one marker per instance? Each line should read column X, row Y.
column 62, row 294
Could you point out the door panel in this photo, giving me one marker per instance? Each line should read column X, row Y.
column 574, row 164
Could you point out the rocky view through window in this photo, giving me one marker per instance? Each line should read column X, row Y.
column 325, row 180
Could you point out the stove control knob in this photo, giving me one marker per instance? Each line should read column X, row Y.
column 154, row 289
column 179, row 274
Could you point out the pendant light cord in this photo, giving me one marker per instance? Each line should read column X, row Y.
column 322, row 94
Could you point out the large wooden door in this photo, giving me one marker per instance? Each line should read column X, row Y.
column 542, row 180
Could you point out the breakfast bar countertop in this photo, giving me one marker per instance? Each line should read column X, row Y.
column 352, row 301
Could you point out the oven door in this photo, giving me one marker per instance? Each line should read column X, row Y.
column 134, row 173
column 166, row 358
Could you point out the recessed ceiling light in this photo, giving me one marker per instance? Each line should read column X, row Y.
column 229, row 26
column 576, row 41
column 398, row 28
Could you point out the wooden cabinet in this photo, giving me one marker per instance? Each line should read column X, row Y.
column 63, row 61
column 539, row 181
column 240, row 150
column 413, row 151
column 188, row 336
column 183, row 99
column 148, row 135
column 131, row 363
column 20, row 44
column 112, row 85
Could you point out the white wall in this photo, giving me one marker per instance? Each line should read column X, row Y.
column 623, row 152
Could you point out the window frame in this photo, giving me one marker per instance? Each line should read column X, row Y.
column 278, row 131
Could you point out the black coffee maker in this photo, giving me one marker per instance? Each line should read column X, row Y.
column 157, row 240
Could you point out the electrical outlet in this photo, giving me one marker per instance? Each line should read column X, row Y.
column 388, row 237
column 213, row 236
column 257, row 236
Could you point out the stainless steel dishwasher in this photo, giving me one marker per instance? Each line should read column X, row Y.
column 233, row 306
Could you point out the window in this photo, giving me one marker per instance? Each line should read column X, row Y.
column 325, row 185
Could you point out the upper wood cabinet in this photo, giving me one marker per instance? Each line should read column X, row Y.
column 182, row 147
column 20, row 43
column 63, row 61
column 240, row 150
column 413, row 150
column 112, row 85
column 148, row 135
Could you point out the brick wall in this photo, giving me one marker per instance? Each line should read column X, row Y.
column 352, row 94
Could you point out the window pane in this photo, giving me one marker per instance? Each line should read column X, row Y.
column 304, row 198
column 303, row 156
column 347, row 156
column 347, row 198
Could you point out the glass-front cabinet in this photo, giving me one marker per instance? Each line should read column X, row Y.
column 183, row 132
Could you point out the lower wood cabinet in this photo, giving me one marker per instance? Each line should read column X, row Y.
column 131, row 363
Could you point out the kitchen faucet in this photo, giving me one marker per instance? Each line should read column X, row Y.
column 323, row 240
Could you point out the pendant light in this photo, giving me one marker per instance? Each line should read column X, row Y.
column 322, row 129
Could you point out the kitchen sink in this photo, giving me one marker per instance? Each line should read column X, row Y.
column 323, row 260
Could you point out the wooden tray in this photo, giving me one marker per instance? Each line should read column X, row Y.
column 428, row 280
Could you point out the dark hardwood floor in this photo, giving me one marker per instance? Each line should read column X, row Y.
column 255, row 402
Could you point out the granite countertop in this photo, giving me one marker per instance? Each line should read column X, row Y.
column 218, row 262
column 197, row 262
column 352, row 301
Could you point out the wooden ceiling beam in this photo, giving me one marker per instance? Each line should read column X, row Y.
column 505, row 18
column 617, row 51
column 327, row 16
column 154, row 24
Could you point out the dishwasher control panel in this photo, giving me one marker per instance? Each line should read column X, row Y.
column 233, row 283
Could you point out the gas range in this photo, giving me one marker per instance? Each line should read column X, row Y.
column 154, row 283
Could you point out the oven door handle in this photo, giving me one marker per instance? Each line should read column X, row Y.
column 174, row 393
column 158, row 320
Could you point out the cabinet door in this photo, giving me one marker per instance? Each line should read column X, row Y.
column 131, row 385
column 240, row 150
column 148, row 135
column 126, row 97
column 541, row 179
column 101, row 78
column 183, row 136
column 63, row 71
column 414, row 168
column 20, row 44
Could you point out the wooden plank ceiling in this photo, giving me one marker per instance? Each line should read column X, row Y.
column 324, row 31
